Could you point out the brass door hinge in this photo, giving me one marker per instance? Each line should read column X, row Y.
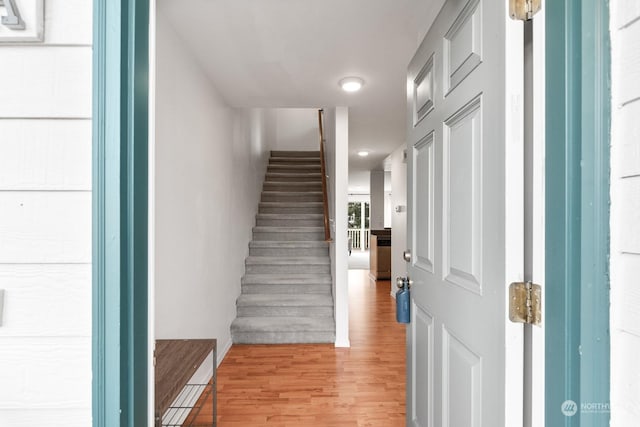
column 525, row 303
column 523, row 10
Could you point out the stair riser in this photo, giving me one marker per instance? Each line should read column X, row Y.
column 286, row 289
column 295, row 197
column 293, row 236
column 291, row 209
column 292, row 177
column 282, row 337
column 293, row 169
column 288, row 251
column 277, row 153
column 294, row 161
column 292, row 186
column 269, row 222
column 287, row 268
column 262, row 311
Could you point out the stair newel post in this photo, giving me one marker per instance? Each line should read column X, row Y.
column 323, row 171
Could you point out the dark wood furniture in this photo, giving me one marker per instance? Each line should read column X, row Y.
column 380, row 254
column 176, row 361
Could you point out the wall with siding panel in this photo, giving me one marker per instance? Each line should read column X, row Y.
column 45, row 223
column 625, row 213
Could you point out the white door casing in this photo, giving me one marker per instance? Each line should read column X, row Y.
column 465, row 218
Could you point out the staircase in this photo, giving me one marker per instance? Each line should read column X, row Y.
column 286, row 290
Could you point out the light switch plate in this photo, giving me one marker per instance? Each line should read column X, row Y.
column 1, row 304
column 31, row 17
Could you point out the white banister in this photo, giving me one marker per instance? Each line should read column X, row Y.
column 359, row 238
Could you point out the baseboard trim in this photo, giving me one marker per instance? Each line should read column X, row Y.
column 342, row 343
column 222, row 352
column 204, row 372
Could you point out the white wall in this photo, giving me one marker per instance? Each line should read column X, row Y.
column 625, row 213
column 359, row 182
column 358, row 198
column 210, row 164
column 376, row 221
column 388, row 207
column 337, row 149
column 398, row 219
column 45, row 223
column 297, row 129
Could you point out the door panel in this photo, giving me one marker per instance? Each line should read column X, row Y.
column 463, row 45
column 462, row 198
column 423, row 156
column 423, row 350
column 461, row 383
column 465, row 219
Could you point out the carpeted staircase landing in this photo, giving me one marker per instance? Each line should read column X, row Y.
column 286, row 290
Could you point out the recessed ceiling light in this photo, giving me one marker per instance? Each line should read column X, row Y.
column 351, row 84
column 363, row 153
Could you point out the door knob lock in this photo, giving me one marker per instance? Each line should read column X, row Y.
column 401, row 282
column 406, row 255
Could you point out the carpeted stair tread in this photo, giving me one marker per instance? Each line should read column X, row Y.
column 293, row 153
column 293, row 167
column 266, row 228
column 292, row 186
column 290, row 203
column 288, row 260
column 290, row 207
column 304, row 337
column 283, row 324
column 291, row 196
column 288, row 244
column 293, row 177
column 288, row 248
column 293, row 193
column 288, row 233
column 290, row 216
column 294, row 196
column 303, row 181
column 285, row 300
column 294, row 160
column 287, row 264
column 287, row 279
column 296, row 184
column 317, row 289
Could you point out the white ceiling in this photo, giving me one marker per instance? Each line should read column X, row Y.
column 291, row 53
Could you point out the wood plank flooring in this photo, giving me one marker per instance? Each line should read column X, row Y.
column 320, row 385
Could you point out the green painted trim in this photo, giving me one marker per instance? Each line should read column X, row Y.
column 120, row 208
column 577, row 202
column 596, row 118
column 562, row 209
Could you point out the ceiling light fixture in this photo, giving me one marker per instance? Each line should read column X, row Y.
column 351, row 84
column 363, row 153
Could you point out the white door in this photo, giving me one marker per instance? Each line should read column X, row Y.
column 464, row 357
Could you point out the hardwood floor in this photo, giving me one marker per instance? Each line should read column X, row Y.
column 320, row 385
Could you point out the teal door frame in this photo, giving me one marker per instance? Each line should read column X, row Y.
column 577, row 213
column 120, row 207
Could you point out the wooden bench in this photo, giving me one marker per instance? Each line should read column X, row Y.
column 175, row 363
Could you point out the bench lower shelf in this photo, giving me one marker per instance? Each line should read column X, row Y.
column 180, row 398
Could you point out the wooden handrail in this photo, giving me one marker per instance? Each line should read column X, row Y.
column 323, row 171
